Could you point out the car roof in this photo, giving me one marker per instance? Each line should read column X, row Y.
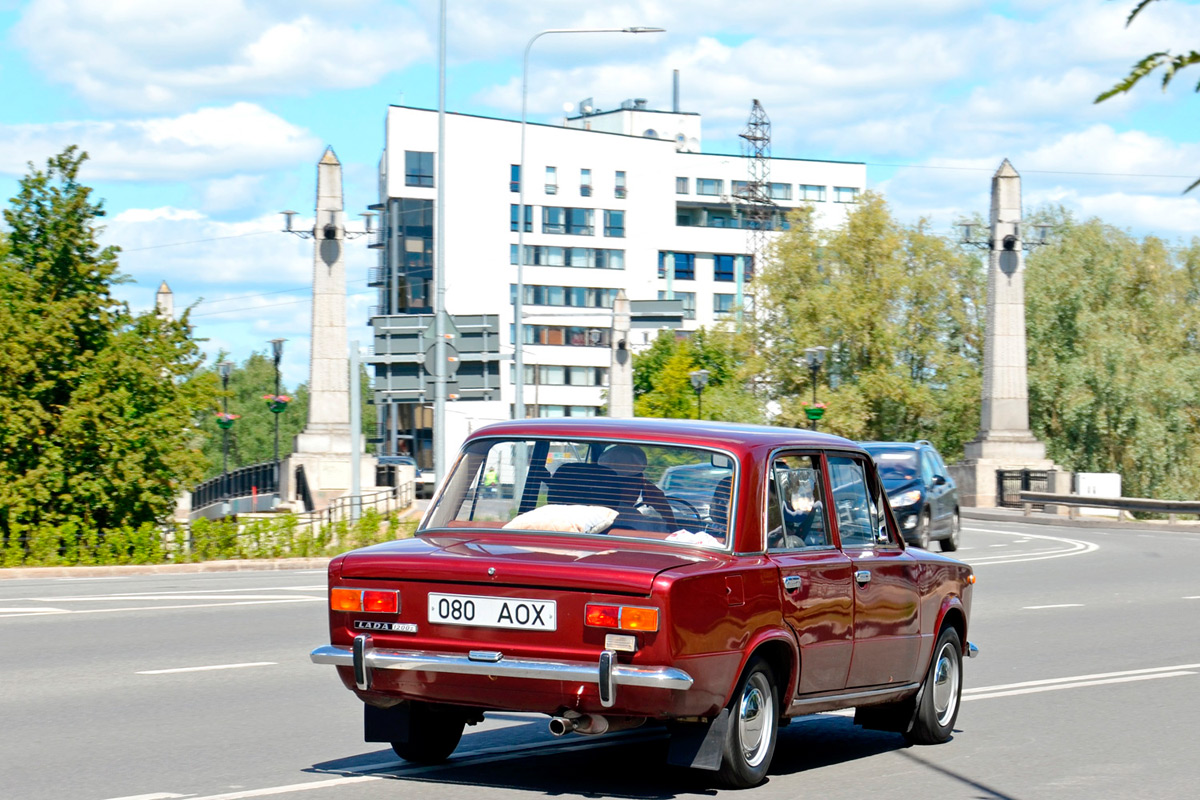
column 894, row 445
column 733, row 436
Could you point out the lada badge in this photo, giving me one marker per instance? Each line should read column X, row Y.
column 390, row 627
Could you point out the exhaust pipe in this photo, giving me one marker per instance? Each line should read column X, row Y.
column 592, row 724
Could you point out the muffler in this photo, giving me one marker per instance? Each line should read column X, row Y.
column 592, row 724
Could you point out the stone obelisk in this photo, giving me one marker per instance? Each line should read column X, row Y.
column 323, row 448
column 1005, row 440
column 620, row 375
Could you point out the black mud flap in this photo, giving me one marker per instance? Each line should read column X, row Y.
column 699, row 745
column 386, row 724
column 892, row 717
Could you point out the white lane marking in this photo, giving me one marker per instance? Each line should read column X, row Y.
column 295, row 787
column 181, row 592
column 205, row 669
column 163, row 608
column 1077, row 678
column 1005, row 544
column 1060, row 605
column 1193, row 597
column 30, row 610
column 1072, row 547
column 154, row 796
column 182, row 596
column 1081, row 684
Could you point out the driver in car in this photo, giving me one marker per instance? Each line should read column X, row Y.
column 629, row 462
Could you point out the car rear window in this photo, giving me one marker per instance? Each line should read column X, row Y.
column 582, row 487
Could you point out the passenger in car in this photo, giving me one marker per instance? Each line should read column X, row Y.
column 629, row 461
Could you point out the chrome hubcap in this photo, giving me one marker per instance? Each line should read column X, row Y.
column 945, row 684
column 755, row 719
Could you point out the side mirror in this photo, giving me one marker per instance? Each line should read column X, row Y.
column 939, row 480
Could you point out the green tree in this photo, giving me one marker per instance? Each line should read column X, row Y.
column 662, row 377
column 1114, row 356
column 899, row 309
column 97, row 404
column 1169, row 62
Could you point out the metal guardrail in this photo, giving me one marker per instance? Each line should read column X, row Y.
column 1076, row 501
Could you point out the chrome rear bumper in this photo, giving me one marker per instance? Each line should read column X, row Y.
column 606, row 673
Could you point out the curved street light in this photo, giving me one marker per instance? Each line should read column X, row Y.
column 518, row 310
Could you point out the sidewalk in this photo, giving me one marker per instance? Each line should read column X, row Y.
column 243, row 565
column 1041, row 518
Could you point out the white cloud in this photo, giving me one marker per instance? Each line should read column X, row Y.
column 149, row 54
column 207, row 142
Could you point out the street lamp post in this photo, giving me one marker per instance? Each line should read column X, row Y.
column 277, row 352
column 518, row 309
column 225, row 369
column 815, row 357
column 699, row 381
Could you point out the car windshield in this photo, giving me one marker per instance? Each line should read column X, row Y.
column 896, row 465
column 588, row 487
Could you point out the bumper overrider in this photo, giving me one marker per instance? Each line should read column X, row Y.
column 607, row 673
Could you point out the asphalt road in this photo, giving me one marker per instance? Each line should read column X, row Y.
column 199, row 686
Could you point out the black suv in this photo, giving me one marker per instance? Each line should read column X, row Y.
column 923, row 495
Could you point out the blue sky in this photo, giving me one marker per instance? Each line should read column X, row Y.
column 205, row 119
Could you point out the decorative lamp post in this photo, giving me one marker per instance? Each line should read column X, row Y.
column 225, row 419
column 519, row 306
column 814, row 357
column 277, row 402
column 699, row 381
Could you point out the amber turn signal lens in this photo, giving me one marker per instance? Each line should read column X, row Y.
column 971, row 579
column 381, row 602
column 639, row 619
column 345, row 599
column 602, row 616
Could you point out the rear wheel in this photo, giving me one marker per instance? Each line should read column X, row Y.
column 950, row 543
column 940, row 695
column 432, row 734
column 753, row 726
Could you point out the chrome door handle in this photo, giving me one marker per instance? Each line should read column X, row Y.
column 791, row 582
column 862, row 576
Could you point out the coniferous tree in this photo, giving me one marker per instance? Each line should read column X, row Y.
column 97, row 404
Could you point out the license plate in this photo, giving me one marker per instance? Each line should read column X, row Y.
column 492, row 612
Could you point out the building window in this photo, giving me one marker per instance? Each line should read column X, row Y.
column 710, row 186
column 590, row 257
column 779, row 191
column 741, row 188
column 513, row 221
column 551, row 180
column 563, row 335
column 565, row 296
column 722, row 303
column 614, row 224
column 723, row 268
column 619, row 185
column 585, row 183
column 685, row 265
column 553, row 375
column 845, row 194
column 681, row 186
column 812, row 193
column 689, row 302
column 514, row 178
column 418, row 168
column 574, row 221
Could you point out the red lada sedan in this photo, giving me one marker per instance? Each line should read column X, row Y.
column 552, row 574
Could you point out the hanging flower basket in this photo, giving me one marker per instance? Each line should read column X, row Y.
column 225, row 420
column 814, row 410
column 277, row 402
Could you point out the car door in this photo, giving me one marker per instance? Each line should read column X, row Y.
column 816, row 578
column 887, row 634
column 936, row 489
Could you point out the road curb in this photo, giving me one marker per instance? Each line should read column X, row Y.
column 1037, row 518
column 244, row 565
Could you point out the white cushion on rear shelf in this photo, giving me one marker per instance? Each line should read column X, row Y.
column 573, row 519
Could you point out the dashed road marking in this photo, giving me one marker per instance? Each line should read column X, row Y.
column 1058, row 605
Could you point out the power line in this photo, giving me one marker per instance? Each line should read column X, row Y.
column 193, row 241
column 269, row 305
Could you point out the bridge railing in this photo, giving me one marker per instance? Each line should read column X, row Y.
column 256, row 479
column 1172, row 508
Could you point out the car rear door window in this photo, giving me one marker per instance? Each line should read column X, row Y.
column 795, row 504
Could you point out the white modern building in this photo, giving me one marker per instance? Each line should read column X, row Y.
column 622, row 199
